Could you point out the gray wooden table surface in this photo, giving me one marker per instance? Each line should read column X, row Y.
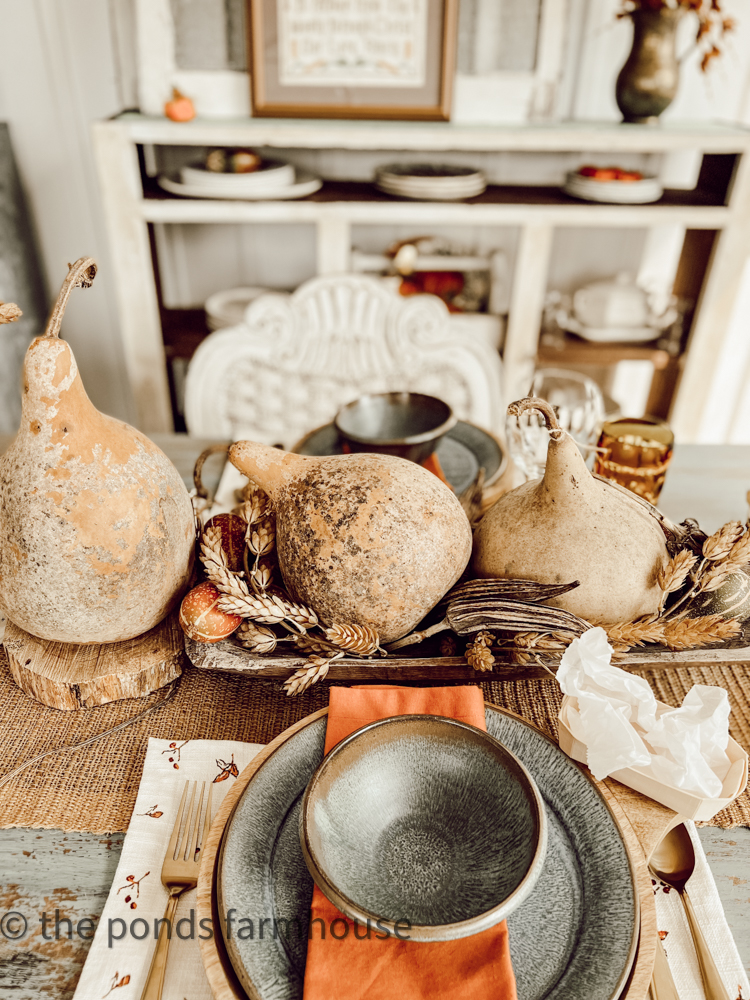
column 49, row 872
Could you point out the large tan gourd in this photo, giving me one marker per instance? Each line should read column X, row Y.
column 362, row 539
column 96, row 526
column 570, row 526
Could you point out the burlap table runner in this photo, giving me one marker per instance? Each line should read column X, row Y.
column 93, row 789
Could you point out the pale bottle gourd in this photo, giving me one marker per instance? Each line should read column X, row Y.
column 96, row 527
column 570, row 525
column 362, row 539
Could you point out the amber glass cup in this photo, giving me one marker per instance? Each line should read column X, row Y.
column 635, row 452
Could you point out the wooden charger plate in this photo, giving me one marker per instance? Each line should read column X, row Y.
column 642, row 822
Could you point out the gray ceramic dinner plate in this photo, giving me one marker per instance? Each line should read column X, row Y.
column 574, row 938
column 462, row 452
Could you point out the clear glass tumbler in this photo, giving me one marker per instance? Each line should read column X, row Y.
column 579, row 406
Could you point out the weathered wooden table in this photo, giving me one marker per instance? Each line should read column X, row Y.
column 68, row 875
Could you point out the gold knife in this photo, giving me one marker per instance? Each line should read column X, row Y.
column 662, row 983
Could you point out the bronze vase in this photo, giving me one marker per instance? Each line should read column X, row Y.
column 648, row 81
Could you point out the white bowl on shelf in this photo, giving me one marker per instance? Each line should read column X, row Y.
column 305, row 184
column 613, row 192
column 271, row 174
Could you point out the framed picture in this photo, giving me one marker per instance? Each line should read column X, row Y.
column 352, row 58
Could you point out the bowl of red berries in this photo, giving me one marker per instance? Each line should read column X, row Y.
column 612, row 184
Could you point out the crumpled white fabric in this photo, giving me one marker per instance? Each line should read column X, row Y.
column 619, row 720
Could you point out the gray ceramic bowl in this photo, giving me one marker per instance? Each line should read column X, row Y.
column 423, row 821
column 407, row 424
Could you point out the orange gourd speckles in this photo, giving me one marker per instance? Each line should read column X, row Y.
column 96, row 526
column 362, row 539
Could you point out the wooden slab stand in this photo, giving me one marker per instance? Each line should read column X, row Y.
column 69, row 676
column 642, row 821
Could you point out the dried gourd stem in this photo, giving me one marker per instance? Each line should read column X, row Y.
column 414, row 637
column 80, row 275
column 546, row 409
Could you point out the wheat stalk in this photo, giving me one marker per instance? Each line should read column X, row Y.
column 719, row 545
column 268, row 609
column 256, row 504
column 261, row 577
column 479, row 654
column 541, row 640
column 626, row 634
column 312, row 644
column 315, row 670
column 691, row 632
column 214, row 560
column 300, row 615
column 739, row 554
column 261, row 539
column 718, row 574
column 359, row 639
column 263, row 608
column 256, row 638
column 672, row 576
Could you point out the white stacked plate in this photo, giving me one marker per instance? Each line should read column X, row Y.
column 428, row 182
column 274, row 180
column 227, row 308
column 613, row 192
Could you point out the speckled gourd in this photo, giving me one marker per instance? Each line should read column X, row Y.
column 570, row 525
column 362, row 539
column 96, row 526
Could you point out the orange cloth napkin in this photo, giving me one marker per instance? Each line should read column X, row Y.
column 350, row 968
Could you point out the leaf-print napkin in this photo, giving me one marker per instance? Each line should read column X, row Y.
column 678, row 943
column 116, row 966
column 120, row 954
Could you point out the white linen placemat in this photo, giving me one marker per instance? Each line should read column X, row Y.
column 119, row 958
column 118, row 962
column 678, row 942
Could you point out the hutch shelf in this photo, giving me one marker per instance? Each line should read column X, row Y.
column 715, row 217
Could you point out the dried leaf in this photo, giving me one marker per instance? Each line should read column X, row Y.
column 520, row 590
column 465, row 615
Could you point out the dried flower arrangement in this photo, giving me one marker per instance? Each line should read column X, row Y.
column 269, row 616
column 713, row 23
column 490, row 615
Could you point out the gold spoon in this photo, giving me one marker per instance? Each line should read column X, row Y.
column 673, row 862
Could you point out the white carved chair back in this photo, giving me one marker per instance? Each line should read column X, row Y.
column 297, row 359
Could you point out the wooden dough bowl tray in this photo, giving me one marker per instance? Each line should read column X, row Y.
column 229, row 655
column 642, row 821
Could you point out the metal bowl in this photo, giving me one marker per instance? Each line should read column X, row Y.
column 424, row 826
column 407, row 424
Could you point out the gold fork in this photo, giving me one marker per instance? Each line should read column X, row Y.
column 178, row 873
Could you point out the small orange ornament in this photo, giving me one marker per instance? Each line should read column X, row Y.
column 201, row 620
column 180, row 108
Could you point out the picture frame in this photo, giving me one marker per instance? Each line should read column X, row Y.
column 387, row 59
